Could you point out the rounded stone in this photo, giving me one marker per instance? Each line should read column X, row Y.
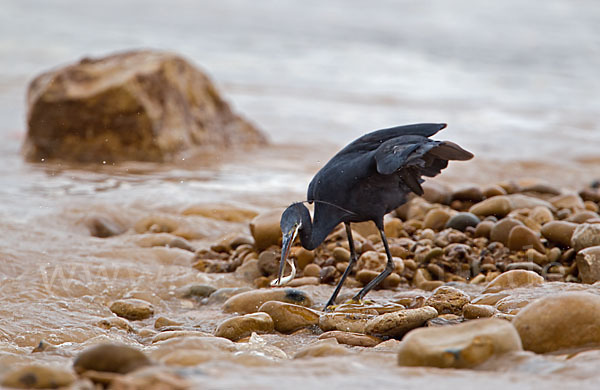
column 116, row 358
column 559, row 232
column 464, row 345
column 341, row 254
column 501, row 230
column 567, row 201
column 436, row 193
column 583, row 216
column 364, row 276
column 462, row 221
column 305, row 281
column 541, row 215
column 38, row 376
column 398, row 323
column 349, row 338
column 288, row 318
column 493, row 190
column 588, row 264
column 195, row 291
column 268, row 262
column 372, row 260
column 557, row 322
column 435, row 219
column 322, row 348
column 523, row 238
column 239, row 327
column 498, row 206
column 448, row 300
column 470, row 193
column 472, row 311
column 312, row 270
column 484, row 228
column 328, row 274
column 303, row 257
column 347, row 322
column 585, row 236
column 132, row 309
column 265, row 229
column 513, row 279
column 251, row 301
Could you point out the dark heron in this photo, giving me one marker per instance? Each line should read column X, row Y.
column 364, row 181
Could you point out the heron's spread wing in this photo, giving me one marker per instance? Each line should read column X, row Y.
column 415, row 156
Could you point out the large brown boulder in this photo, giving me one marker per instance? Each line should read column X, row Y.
column 140, row 105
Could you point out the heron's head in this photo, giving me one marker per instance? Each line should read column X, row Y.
column 291, row 222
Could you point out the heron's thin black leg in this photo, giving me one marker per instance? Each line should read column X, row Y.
column 388, row 270
column 331, row 300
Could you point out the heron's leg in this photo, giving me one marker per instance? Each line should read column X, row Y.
column 379, row 278
column 331, row 300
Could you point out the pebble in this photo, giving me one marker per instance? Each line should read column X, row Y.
column 195, row 291
column 519, row 201
column 470, row 193
column 322, row 348
column 525, row 265
column 115, row 322
column 567, row 201
column 436, row 219
column 239, row 327
column 493, row 190
column 288, row 318
column 585, row 236
column 116, row 358
column 268, row 262
column 265, row 229
column 372, row 260
column 559, row 232
column 151, row 378
column 328, row 274
column 341, row 254
column 560, row 321
column 303, row 257
column 349, row 338
column 103, row 227
column 472, row 311
column 588, row 264
column 223, row 294
column 251, row 301
column 162, row 322
column 523, row 238
column 347, row 322
column 312, row 270
column 248, row 271
column 501, row 230
column 582, row 217
column 304, row 281
column 445, row 320
column 398, row 323
column 37, row 376
column 513, row 279
column 464, row 345
column 542, row 188
column 462, row 221
column 448, row 300
column 484, row 228
column 132, row 309
column 393, row 228
column 541, row 215
column 499, row 206
column 538, row 258
column 436, row 193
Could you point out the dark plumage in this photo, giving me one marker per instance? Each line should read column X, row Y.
column 364, row 181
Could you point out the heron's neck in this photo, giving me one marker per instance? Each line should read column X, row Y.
column 313, row 233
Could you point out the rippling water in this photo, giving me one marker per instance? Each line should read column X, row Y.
column 516, row 81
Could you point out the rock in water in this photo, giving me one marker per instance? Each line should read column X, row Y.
column 251, row 301
column 288, row 318
column 139, row 105
column 458, row 346
column 557, row 322
column 239, row 327
column 132, row 309
column 396, row 324
column 110, row 358
column 38, row 377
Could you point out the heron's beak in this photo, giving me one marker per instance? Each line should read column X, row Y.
column 288, row 240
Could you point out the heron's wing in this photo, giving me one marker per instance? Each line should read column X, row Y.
column 414, row 157
column 373, row 140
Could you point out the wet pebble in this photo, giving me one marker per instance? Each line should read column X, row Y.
column 115, row 322
column 501, row 230
column 347, row 322
column 268, row 262
column 513, row 279
column 174, row 334
column 312, row 270
column 322, row 348
column 248, row 271
column 567, row 201
column 132, row 309
column 498, row 206
column 583, row 216
column 37, row 376
column 588, row 264
column 265, row 229
column 354, row 339
column 462, row 221
column 484, row 228
column 195, row 290
column 239, row 327
column 563, row 321
column 303, row 257
column 250, row 301
column 398, row 323
column 115, row 358
column 288, row 318
column 436, row 219
column 523, row 238
column 162, row 322
column 585, row 236
column 223, row 294
column 341, row 254
column 305, row 281
column 472, row 311
column 463, row 345
column 448, row 300
column 103, row 227
column 559, row 232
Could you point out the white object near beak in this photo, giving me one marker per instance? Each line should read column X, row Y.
column 286, row 279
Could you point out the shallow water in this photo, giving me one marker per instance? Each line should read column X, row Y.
column 516, row 82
